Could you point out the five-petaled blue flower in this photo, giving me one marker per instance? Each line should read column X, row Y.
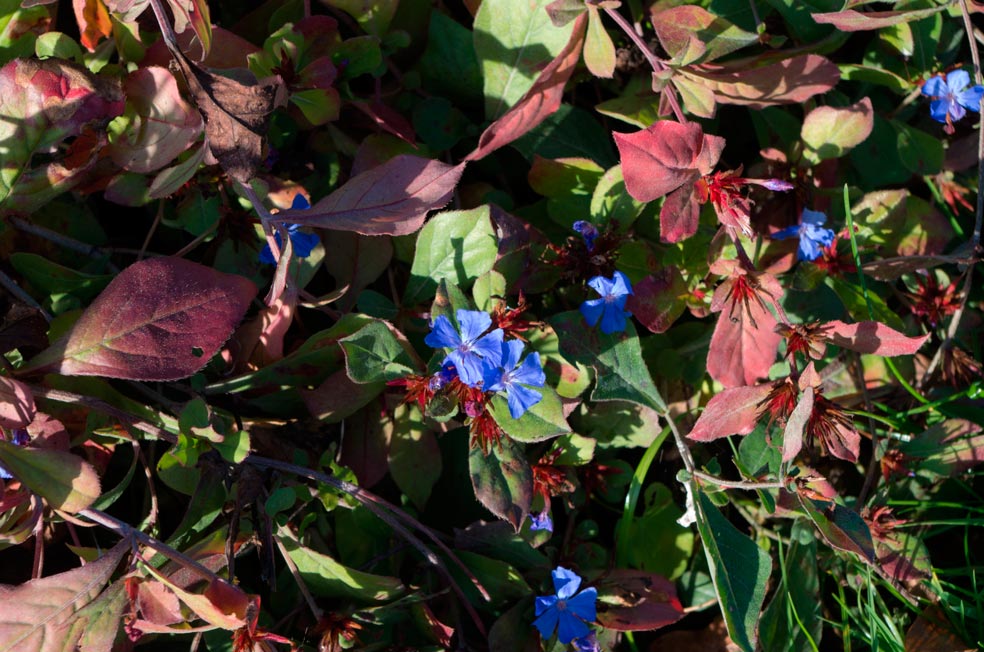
column 565, row 611
column 473, row 350
column 952, row 97
column 588, row 231
column 610, row 308
column 302, row 243
column 541, row 521
column 511, row 377
column 812, row 238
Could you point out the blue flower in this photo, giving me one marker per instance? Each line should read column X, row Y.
column 541, row 521
column 302, row 243
column 565, row 611
column 445, row 375
column 812, row 238
column 588, row 231
column 610, row 308
column 511, row 377
column 473, row 350
column 952, row 96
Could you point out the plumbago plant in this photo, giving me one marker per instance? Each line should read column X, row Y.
column 515, row 325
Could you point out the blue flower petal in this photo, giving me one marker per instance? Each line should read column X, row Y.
column 443, row 334
column 592, row 310
column 935, row 87
column 971, row 98
column 583, row 604
column 789, row 232
column 938, row 109
column 541, row 521
column 521, row 399
column 813, row 217
column 512, row 351
column 621, row 286
column 304, row 243
column 613, row 320
column 571, row 627
column 547, row 623
column 601, row 285
column 957, row 80
column 471, row 368
column 530, row 372
column 490, row 347
column 543, row 603
column 472, row 323
column 300, row 203
column 566, row 582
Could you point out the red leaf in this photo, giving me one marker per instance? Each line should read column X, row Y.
column 658, row 300
column 851, row 20
column 734, row 411
column 16, row 403
column 664, row 156
column 792, row 435
column 872, row 337
column 631, row 601
column 160, row 319
column 745, row 342
column 540, row 101
column 791, row 81
column 680, row 214
column 392, row 199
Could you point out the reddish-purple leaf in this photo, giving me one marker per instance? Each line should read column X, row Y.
column 631, row 601
column 842, row 528
column 659, row 299
column 664, row 156
column 745, row 342
column 159, row 125
column 16, row 403
column 872, row 337
column 540, row 101
column 851, row 20
column 691, row 33
column 392, row 199
column 891, row 269
column 792, row 435
column 791, row 81
column 160, row 319
column 680, row 213
column 43, row 614
column 734, row 411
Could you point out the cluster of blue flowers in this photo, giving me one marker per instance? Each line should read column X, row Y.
column 812, row 237
column 302, row 243
column 481, row 358
column 567, row 611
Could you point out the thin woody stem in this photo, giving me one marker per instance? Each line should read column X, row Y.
column 655, row 62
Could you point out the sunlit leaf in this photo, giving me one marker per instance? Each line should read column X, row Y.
column 66, row 481
column 503, row 480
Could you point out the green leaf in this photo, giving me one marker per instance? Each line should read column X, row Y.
column 853, row 298
column 458, row 246
column 798, row 599
column 503, row 582
column 328, row 579
column 503, row 480
column 544, row 420
column 830, row 132
column 414, row 456
column 319, row 105
column 599, row 51
column 657, row 543
column 611, row 203
column 620, row 371
column 920, row 153
column 373, row 354
column 514, row 41
column 449, row 65
column 66, row 481
column 52, row 278
column 739, row 568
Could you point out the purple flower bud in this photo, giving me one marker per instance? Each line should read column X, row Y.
column 588, row 231
column 541, row 521
column 777, row 185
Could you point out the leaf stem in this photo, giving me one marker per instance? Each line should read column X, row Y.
column 737, row 484
column 655, row 62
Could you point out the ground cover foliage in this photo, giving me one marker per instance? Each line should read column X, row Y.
column 501, row 325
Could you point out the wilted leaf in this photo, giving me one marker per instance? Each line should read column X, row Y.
column 872, row 337
column 830, row 132
column 735, row 411
column 391, row 199
column 932, row 632
column 44, row 103
column 791, row 81
column 16, row 403
column 676, row 27
column 236, row 114
column 851, row 20
column 841, row 528
column 632, row 601
column 39, row 615
column 739, row 568
column 66, row 481
column 541, row 100
column 158, row 124
column 892, row 269
column 193, row 14
column 221, row 604
column 502, row 480
column 160, row 319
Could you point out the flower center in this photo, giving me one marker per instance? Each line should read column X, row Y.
column 561, row 605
